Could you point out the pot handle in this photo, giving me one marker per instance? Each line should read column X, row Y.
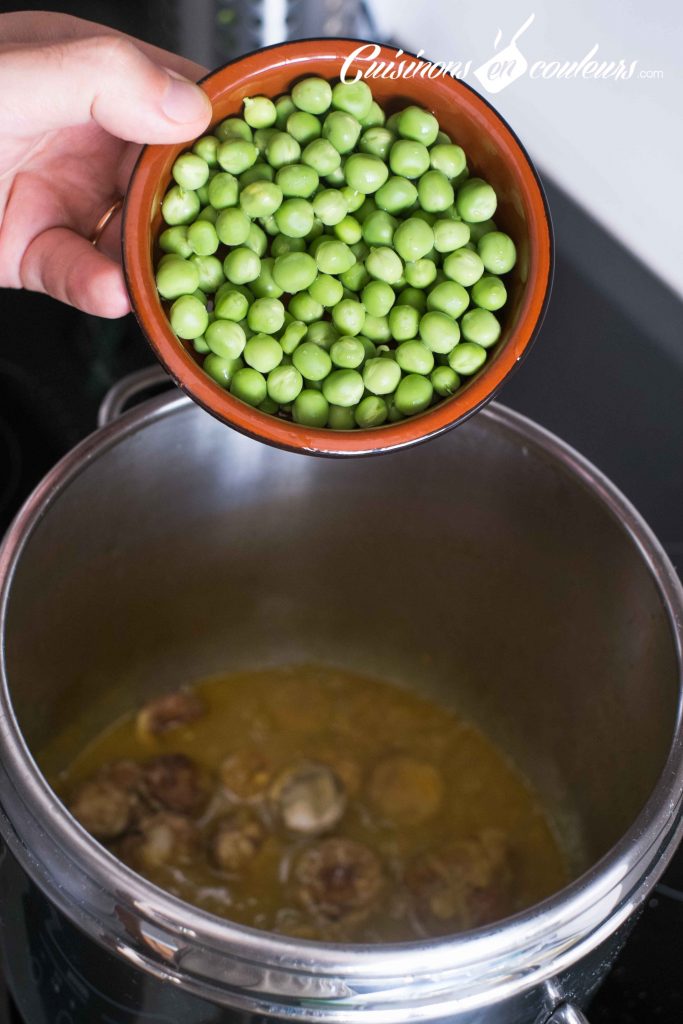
column 567, row 1014
column 152, row 378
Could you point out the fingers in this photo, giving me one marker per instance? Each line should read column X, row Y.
column 60, row 263
column 106, row 78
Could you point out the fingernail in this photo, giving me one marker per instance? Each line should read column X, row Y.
column 184, row 102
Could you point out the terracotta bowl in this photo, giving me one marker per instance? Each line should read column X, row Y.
column 493, row 151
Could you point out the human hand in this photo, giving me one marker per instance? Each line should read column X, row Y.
column 76, row 101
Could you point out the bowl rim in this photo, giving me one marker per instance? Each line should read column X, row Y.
column 190, row 377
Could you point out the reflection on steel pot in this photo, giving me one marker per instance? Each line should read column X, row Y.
column 167, row 547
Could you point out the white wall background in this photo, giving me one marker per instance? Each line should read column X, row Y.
column 615, row 146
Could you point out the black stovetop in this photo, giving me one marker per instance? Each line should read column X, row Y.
column 606, row 374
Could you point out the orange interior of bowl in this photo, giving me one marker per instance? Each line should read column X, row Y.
column 492, row 151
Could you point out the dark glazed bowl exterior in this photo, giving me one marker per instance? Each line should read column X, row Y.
column 493, row 151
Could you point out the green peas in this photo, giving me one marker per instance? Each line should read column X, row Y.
column 323, row 333
column 260, row 199
column 403, row 322
column 413, row 394
column 333, row 257
column 266, row 316
column 354, row 279
column 434, row 192
column 477, row 231
column 241, row 266
column 342, row 130
column 377, row 142
column 378, row 298
column 310, row 409
column 177, row 277
column 348, row 316
column 353, row 97
column 284, row 384
column 418, row 124
column 396, row 195
column 463, row 266
column 207, row 148
column 413, row 239
column 259, row 111
column 232, row 226
column 327, row 290
column 174, row 240
column 374, row 117
column 439, row 332
column 384, row 265
column 230, row 304
column 313, row 95
column 281, row 244
column 180, row 206
column 262, row 352
column 225, row 339
column 321, row 156
column 467, row 358
column 448, row 297
column 476, row 200
column 365, row 173
column 381, row 376
column 450, row 235
column 448, row 159
column 371, row 411
column 261, row 136
column 303, row 127
column 297, row 180
column 294, row 218
column 445, row 380
column 295, row 271
column 354, row 200
column 340, row 418
column 343, row 387
column 236, row 155
column 256, row 240
column 282, row 149
column 413, row 297
column 202, row 237
column 190, row 171
column 415, row 357
column 480, row 326
column 347, row 353
column 292, row 336
column 489, row 293
column 312, row 361
column 223, row 190
column 378, row 228
column 257, row 172
column 265, row 286
column 188, row 316
column 497, row 252
column 220, row 369
column 408, row 159
column 234, row 128
column 305, row 308
column 348, row 230
column 249, row 386
column 210, row 270
column 421, row 273
column 330, row 206
column 284, row 106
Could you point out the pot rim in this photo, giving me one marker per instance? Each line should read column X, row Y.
column 302, row 979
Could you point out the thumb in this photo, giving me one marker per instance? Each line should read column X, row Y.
column 103, row 78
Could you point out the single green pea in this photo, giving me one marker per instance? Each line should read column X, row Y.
column 303, row 127
column 413, row 239
column 304, row 307
column 236, row 155
column 326, row 290
column 234, row 128
column 348, row 316
column 313, row 95
column 180, row 206
column 260, row 199
column 269, row 406
column 292, row 336
column 225, row 339
column 445, row 380
column 342, row 130
column 330, row 206
column 403, row 322
column 365, row 173
column 174, row 240
column 347, row 353
column 210, row 270
column 224, row 190
column 354, row 280
column 476, row 200
column 282, row 244
column 282, row 149
column 377, row 142
column 190, row 171
column 421, row 273
column 262, row 352
column 348, row 230
column 176, row 277
column 321, row 156
column 418, row 124
column 408, row 159
column 265, row 286
column 477, row 231
column 374, row 118
column 448, row 159
column 340, row 418
column 378, row 297
column 354, row 200
column 376, row 328
column 221, row 369
column 259, row 111
column 463, row 266
column 266, row 316
column 207, row 148
column 257, row 240
column 413, row 297
column 392, row 121
column 336, row 177
column 384, row 264
column 439, row 331
column 353, row 97
column 467, row 358
column 323, row 333
column 415, row 357
column 434, row 192
column 450, row 235
column 312, row 361
column 489, row 293
column 413, row 394
column 249, row 385
column 333, row 257
column 297, row 180
column 230, row 304
column 295, row 271
column 481, row 327
column 232, row 226
column 371, row 411
column 188, row 316
column 294, row 217
column 200, row 346
column 284, row 384
column 396, row 195
column 209, row 214
column 258, row 172
column 343, row 387
column 284, row 106
column 378, row 228
column 497, row 252
column 381, row 376
column 241, row 265
column 366, row 210
column 203, row 195
column 448, row 297
column 310, row 408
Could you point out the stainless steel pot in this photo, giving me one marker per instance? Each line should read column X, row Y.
column 493, row 568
